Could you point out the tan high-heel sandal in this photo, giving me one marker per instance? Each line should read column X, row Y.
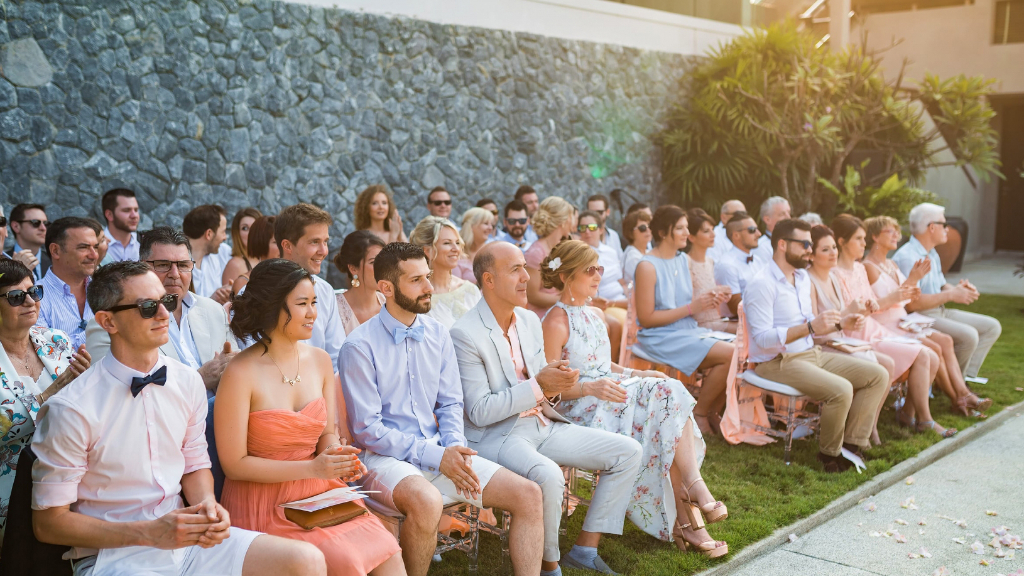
column 713, row 511
column 709, row 548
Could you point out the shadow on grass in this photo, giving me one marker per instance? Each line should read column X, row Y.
column 763, row 494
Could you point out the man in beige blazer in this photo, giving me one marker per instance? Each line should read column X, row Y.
column 198, row 333
column 510, row 392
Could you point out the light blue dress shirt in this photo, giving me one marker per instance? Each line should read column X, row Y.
column 181, row 336
column 117, row 252
column 772, row 306
column 393, row 392
column 59, row 309
column 911, row 252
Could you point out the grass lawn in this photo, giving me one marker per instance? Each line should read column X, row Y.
column 763, row 494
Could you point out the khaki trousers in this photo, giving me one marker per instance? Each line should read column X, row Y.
column 973, row 335
column 848, row 388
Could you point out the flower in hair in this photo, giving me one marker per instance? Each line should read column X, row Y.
column 555, row 264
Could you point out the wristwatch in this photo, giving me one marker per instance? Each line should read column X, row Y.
column 810, row 328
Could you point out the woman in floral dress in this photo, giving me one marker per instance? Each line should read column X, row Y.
column 653, row 409
column 35, row 363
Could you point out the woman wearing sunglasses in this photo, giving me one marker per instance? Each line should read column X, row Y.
column 611, row 294
column 653, row 409
column 636, row 229
column 35, row 363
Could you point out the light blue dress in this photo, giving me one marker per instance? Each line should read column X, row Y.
column 677, row 344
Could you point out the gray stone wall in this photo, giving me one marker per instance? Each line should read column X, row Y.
column 266, row 103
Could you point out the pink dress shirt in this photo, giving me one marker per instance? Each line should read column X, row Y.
column 517, row 358
column 116, row 457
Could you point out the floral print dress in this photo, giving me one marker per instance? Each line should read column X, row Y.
column 19, row 404
column 654, row 415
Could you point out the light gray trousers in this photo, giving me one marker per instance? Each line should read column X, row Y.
column 973, row 335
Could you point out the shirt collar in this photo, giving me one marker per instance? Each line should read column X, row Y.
column 780, row 276
column 133, row 237
column 737, row 252
column 389, row 322
column 55, row 282
column 189, row 299
column 124, row 374
column 17, row 248
column 916, row 246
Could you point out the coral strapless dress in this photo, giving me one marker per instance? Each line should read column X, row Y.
column 353, row 548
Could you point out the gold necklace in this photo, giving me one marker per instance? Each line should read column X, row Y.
column 284, row 379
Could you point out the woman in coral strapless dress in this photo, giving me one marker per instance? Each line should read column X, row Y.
column 277, row 439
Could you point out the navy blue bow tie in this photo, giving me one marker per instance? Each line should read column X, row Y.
column 750, row 259
column 416, row 333
column 159, row 378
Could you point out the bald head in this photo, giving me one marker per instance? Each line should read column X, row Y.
column 500, row 271
column 731, row 207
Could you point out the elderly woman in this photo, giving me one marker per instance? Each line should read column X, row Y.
column 636, row 230
column 453, row 296
column 552, row 221
column 375, row 211
column 477, row 227
column 35, row 363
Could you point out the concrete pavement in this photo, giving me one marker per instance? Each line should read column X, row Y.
column 984, row 475
column 993, row 274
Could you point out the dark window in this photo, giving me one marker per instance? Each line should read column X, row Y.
column 1009, row 25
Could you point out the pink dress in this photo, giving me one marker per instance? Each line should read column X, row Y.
column 702, row 275
column 464, row 270
column 854, row 284
column 534, row 255
column 885, row 285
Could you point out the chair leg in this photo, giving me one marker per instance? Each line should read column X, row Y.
column 790, row 417
column 506, row 522
column 474, row 541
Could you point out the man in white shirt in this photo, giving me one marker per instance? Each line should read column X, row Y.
column 528, row 196
column 302, row 232
column 206, row 227
column 609, row 237
column 773, row 210
column 118, row 445
column 439, row 202
column 739, row 262
column 121, row 211
column 722, row 242
column 781, row 324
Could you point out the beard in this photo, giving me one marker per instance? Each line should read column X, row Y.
column 420, row 305
column 798, row 262
column 122, row 225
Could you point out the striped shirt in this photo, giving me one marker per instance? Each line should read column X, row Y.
column 59, row 309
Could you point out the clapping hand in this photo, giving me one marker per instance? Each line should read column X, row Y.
column 80, row 362
column 853, row 322
column 920, row 268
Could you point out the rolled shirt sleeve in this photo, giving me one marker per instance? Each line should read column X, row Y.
column 194, row 447
column 61, row 445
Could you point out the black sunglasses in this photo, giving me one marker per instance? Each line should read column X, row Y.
column 17, row 297
column 517, row 221
column 3, row 221
column 642, row 228
column 148, row 308
column 943, row 224
column 806, row 243
column 441, row 202
column 750, row 229
column 35, row 223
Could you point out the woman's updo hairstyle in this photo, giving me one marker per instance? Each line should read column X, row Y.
column 845, row 226
column 552, row 213
column 664, row 220
column 819, row 233
column 12, row 273
column 573, row 256
column 257, row 309
column 695, row 219
column 353, row 250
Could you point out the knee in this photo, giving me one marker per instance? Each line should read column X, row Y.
column 842, row 392
column 529, row 498
column 994, row 329
column 632, row 452
column 306, row 560
column 421, row 505
column 549, row 480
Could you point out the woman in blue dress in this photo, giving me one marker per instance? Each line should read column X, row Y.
column 665, row 307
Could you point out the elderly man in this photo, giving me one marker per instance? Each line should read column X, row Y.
column 722, row 242
column 121, row 211
column 404, row 403
column 740, row 262
column 121, row 444
column 28, row 225
column 773, row 210
column 516, row 224
column 439, row 202
column 510, row 392
column 74, row 251
column 198, row 331
column 973, row 334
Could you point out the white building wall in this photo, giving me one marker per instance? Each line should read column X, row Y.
column 587, row 20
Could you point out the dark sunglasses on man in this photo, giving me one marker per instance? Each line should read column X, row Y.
column 149, row 307
column 585, row 227
column 3, row 221
column 17, row 297
column 517, row 221
column 750, row 229
column 441, row 202
column 35, row 223
column 805, row 243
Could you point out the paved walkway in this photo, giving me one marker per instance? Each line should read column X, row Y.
column 984, row 475
column 993, row 274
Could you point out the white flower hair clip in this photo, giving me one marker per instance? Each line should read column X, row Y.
column 555, row 264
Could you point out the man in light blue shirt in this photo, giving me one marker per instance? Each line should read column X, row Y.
column 739, row 262
column 973, row 334
column 74, row 251
column 528, row 196
column 28, row 225
column 403, row 397
column 781, row 326
column 722, row 242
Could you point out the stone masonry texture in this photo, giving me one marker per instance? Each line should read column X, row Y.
column 262, row 103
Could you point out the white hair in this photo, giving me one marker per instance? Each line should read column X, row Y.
column 768, row 206
column 813, row 218
column 924, row 214
column 732, row 204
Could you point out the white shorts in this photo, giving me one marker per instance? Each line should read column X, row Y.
column 384, row 473
column 224, row 559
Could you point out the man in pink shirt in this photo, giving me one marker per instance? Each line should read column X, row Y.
column 118, row 445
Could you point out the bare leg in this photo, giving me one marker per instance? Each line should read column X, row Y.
column 890, row 367
column 421, row 505
column 942, row 373
column 712, row 391
column 273, row 556
column 393, row 566
column 521, row 498
column 684, row 472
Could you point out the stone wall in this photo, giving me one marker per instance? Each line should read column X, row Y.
column 267, row 103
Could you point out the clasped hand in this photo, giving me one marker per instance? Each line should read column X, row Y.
column 338, row 462
column 205, row 524
column 457, row 466
column 557, row 377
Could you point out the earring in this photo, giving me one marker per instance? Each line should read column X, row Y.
column 571, row 298
column 355, row 281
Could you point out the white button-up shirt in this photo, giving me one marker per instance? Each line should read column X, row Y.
column 116, row 457
column 117, row 252
column 207, row 278
column 180, row 335
column 764, row 247
column 610, row 288
column 772, row 306
column 735, row 269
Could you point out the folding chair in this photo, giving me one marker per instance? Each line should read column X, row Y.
column 22, row 554
column 468, row 544
column 787, row 402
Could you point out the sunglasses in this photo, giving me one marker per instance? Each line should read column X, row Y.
column 585, row 227
column 517, row 221
column 441, row 202
column 805, row 243
column 495, row 212
column 943, row 224
column 35, row 223
column 164, row 266
column 148, row 308
column 751, row 229
column 642, row 228
column 17, row 297
column 595, row 270
column 3, row 221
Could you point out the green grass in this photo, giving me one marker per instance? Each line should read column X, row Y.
column 763, row 494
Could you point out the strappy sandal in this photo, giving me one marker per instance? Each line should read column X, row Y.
column 712, row 511
column 709, row 548
column 912, row 424
column 930, row 425
column 977, row 410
